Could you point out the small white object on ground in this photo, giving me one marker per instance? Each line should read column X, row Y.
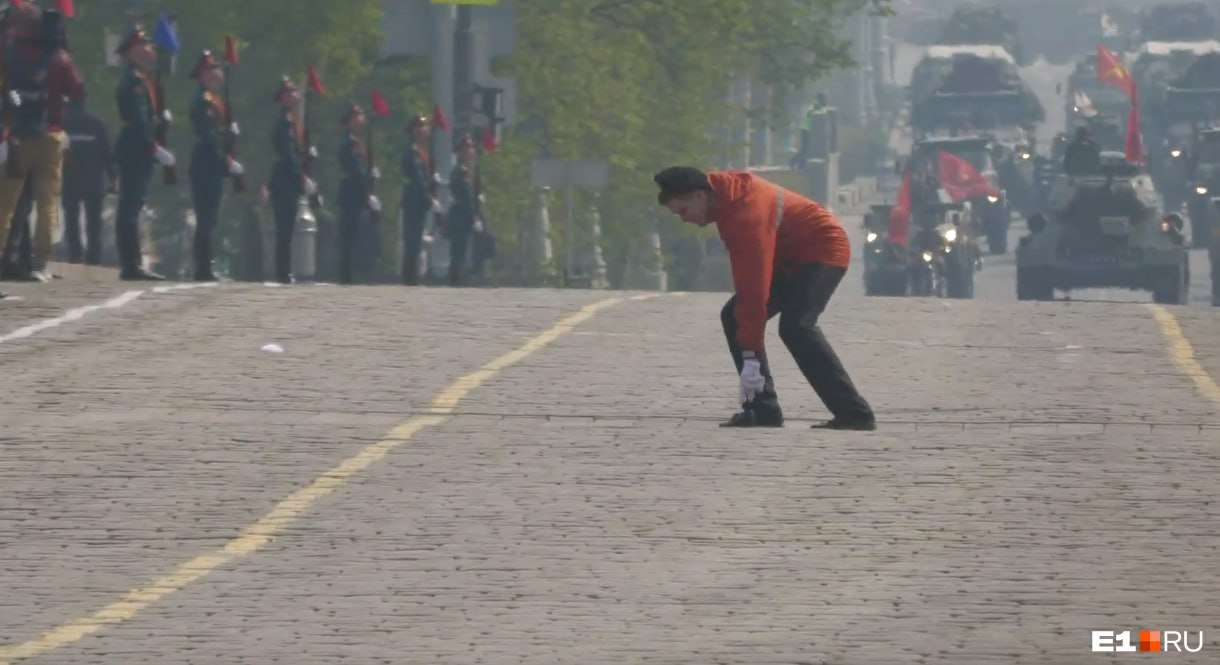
column 273, row 348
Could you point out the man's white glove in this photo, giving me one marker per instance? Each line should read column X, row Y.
column 374, row 204
column 375, row 173
column 311, row 187
column 163, row 156
column 436, row 207
column 235, row 167
column 752, row 379
column 234, row 129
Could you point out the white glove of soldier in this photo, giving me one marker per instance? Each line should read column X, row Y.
column 478, row 226
column 375, row 173
column 311, row 187
column 3, row 151
column 374, row 204
column 752, row 379
column 235, row 167
column 234, row 129
column 313, row 151
column 437, row 178
column 163, row 156
column 436, row 207
column 14, row 98
column 169, row 117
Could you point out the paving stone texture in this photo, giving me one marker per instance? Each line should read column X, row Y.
column 1043, row 470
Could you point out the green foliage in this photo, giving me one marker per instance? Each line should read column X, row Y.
column 640, row 83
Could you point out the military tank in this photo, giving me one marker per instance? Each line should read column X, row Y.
column 981, row 24
column 981, row 89
column 1104, row 230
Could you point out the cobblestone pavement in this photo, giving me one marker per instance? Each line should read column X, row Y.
column 1043, row 470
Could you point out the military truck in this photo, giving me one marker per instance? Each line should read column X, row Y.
column 1177, row 22
column 980, row 24
column 981, row 89
column 1105, row 230
column 993, row 212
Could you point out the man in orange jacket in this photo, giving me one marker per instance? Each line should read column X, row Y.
column 788, row 255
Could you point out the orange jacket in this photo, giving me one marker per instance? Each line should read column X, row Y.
column 744, row 209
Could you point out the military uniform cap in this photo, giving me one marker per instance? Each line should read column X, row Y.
column 286, row 86
column 135, row 36
column 206, row 61
column 678, row 181
column 466, row 141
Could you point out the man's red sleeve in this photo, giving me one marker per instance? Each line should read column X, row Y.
column 749, row 237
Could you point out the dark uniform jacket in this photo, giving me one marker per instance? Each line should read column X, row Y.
column 419, row 187
column 208, row 120
column 138, row 111
column 465, row 187
column 1082, row 157
column 288, row 143
column 356, row 185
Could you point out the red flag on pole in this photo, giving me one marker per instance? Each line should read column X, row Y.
column 961, row 180
column 314, row 81
column 65, row 8
column 438, row 118
column 230, row 50
column 900, row 214
column 489, row 140
column 380, row 106
column 1110, row 70
column 1135, row 142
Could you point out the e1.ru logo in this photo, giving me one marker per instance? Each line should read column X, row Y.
column 1150, row 640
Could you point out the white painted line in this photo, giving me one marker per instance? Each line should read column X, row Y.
column 78, row 313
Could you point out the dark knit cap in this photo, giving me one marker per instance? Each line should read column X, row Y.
column 678, row 181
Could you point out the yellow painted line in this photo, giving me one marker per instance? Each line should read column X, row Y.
column 259, row 534
column 1183, row 353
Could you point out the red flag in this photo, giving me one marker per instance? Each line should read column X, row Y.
column 489, row 140
column 900, row 214
column 961, row 180
column 438, row 117
column 315, row 81
column 230, row 50
column 65, row 8
column 1135, row 143
column 380, row 106
column 1110, row 70
column 17, row 4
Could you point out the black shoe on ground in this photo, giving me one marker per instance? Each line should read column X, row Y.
column 754, row 417
column 848, row 425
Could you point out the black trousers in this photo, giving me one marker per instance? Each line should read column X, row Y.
column 284, row 206
column 135, row 176
column 413, row 220
column 91, row 250
column 459, row 249
column 799, row 301
column 206, row 193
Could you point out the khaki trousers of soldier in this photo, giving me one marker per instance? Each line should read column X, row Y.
column 40, row 158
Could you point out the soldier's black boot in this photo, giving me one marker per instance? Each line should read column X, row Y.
column 128, row 244
column 203, row 260
column 762, row 411
column 283, row 262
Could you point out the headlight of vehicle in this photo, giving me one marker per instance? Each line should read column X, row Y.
column 871, row 237
column 1026, row 155
column 1175, row 153
column 993, row 199
column 1200, row 190
column 951, row 235
column 927, row 257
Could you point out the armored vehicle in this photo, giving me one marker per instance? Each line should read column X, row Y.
column 1177, row 22
column 1086, row 99
column 938, row 259
column 1204, row 186
column 1104, row 230
column 981, row 90
column 979, row 24
column 992, row 212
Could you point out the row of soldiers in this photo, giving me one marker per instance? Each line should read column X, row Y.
column 42, row 83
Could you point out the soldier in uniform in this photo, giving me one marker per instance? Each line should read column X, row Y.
column 466, row 210
column 355, row 200
column 288, row 179
column 1083, row 155
column 210, row 163
column 136, row 150
column 418, row 197
column 88, row 173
